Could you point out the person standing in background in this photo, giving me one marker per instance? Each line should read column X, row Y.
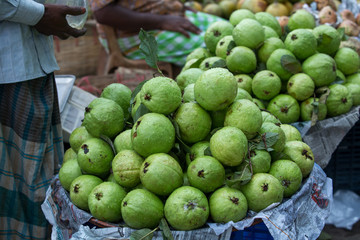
column 31, row 144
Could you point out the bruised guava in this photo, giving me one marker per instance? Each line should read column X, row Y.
column 77, row 137
column 269, row 46
column 268, row 127
column 119, row 93
column 123, row 141
column 244, row 115
column 266, row 85
column 291, row 132
column 275, row 63
column 215, row 89
column 301, row 86
column 210, row 62
column 307, row 109
column 301, row 19
column 152, row 133
column 206, row 173
column 269, row 117
column 187, row 208
column 126, row 168
column 80, row 189
column 243, row 94
column 68, row 172
column 266, row 19
column 301, row 154
column 216, row 31
column 142, row 209
column 240, row 14
column 197, row 150
column 193, row 121
column 188, row 94
column 227, row 204
column 244, row 81
column 224, row 46
column 321, row 68
column 161, row 174
column 339, row 100
column 105, row 201
column 285, row 107
column 248, row 33
column 347, row 60
column 229, row 145
column 328, row 39
column 187, row 77
column 302, row 43
column 241, row 59
column 262, row 191
column 354, row 89
column 198, row 53
column 289, row 175
column 103, row 117
column 95, row 156
column 161, row 95
column 260, row 161
column 69, row 154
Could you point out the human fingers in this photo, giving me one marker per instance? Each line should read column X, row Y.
column 74, row 10
column 191, row 28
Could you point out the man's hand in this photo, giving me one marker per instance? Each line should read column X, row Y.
column 54, row 22
column 179, row 24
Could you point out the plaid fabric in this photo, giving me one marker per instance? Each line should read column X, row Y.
column 173, row 47
column 31, row 149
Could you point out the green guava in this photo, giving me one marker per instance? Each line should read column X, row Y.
column 119, row 93
column 229, row 145
column 126, row 168
column 268, row 127
column 238, row 15
column 68, row 172
column 353, row 78
column 152, row 133
column 187, row 77
column 224, row 46
column 103, row 117
column 105, row 201
column 260, row 161
column 241, row 60
column 69, row 154
column 266, row 85
column 123, row 141
column 188, row 94
column 242, row 94
column 354, row 89
column 301, row 19
column 95, row 156
column 244, row 115
column 307, row 109
column 209, row 62
column 80, row 189
column 262, row 191
column 289, row 175
column 161, row 95
column 244, row 81
column 216, row 31
column 291, row 132
column 217, row 118
column 266, row 19
column 285, row 107
column 339, row 100
column 302, row 43
column 259, row 103
column 248, row 33
column 347, row 60
column 328, row 39
column 197, row 150
column 161, row 174
column 77, row 137
column 301, row 154
column 276, row 64
column 206, row 173
column 187, row 208
column 301, row 86
column 215, row 89
column 135, row 105
column 227, row 204
column 192, row 63
column 269, row 46
column 198, row 53
column 270, row 33
column 193, row 121
column 269, row 117
column 142, row 209
column 321, row 68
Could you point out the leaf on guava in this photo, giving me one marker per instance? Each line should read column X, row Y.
column 142, row 234
column 148, row 46
column 207, row 152
column 231, row 45
column 342, row 34
column 183, row 145
column 268, row 140
column 221, row 63
column 315, row 112
column 240, row 177
column 323, row 92
column 260, row 67
column 324, row 38
column 136, row 91
column 166, row 233
column 196, row 64
column 108, row 140
column 290, row 64
column 142, row 110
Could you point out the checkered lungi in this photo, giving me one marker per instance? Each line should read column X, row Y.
column 31, row 148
